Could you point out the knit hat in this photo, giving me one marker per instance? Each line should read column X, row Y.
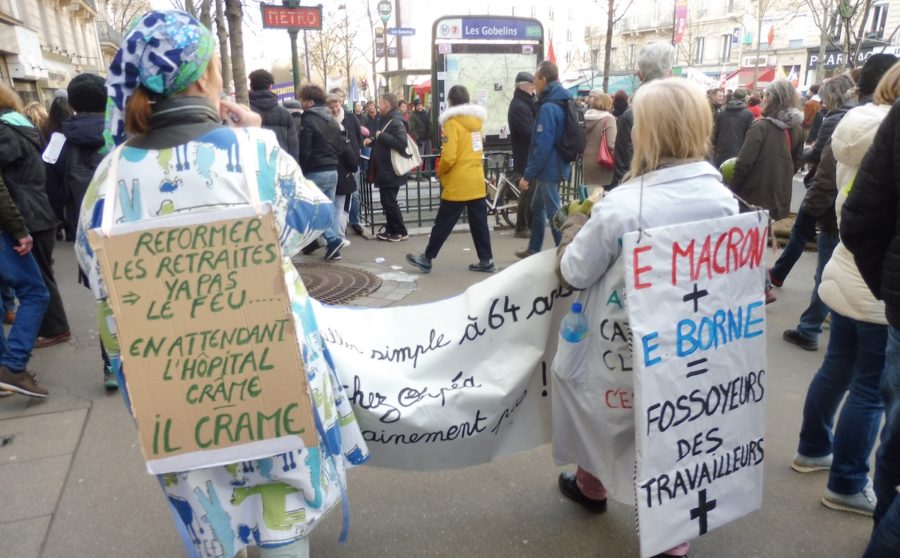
column 871, row 73
column 739, row 94
column 87, row 93
column 164, row 52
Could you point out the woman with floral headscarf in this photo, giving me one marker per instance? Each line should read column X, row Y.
column 163, row 90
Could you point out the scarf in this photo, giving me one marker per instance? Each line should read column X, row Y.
column 163, row 52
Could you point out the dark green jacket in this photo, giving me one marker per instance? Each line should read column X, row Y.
column 11, row 220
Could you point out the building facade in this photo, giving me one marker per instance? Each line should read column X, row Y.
column 737, row 40
column 45, row 43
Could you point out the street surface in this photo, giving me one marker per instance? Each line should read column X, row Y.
column 73, row 482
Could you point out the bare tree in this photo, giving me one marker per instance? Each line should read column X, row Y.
column 234, row 13
column 615, row 11
column 347, row 36
column 836, row 20
column 224, row 55
column 325, row 48
column 120, row 13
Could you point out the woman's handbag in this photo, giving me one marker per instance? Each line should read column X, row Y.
column 402, row 162
column 605, row 157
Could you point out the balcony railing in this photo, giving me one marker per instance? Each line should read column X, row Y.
column 106, row 33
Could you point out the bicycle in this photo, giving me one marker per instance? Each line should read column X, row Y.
column 502, row 192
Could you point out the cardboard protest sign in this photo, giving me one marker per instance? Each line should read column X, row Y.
column 458, row 382
column 697, row 313
column 209, row 347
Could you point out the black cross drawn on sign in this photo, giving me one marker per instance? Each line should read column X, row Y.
column 695, row 296
column 703, row 508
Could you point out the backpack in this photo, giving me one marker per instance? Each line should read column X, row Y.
column 572, row 141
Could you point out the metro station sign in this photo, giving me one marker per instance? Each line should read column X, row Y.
column 280, row 17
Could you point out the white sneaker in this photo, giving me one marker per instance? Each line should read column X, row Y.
column 862, row 503
column 345, row 243
column 803, row 464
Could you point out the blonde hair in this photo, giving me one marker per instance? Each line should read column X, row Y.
column 9, row 99
column 601, row 101
column 888, row 89
column 36, row 113
column 672, row 120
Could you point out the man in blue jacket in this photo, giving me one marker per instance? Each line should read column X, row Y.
column 546, row 169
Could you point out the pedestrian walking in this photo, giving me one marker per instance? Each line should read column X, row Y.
column 869, row 230
column 178, row 69
column 520, row 118
column 461, row 172
column 731, row 125
column 546, row 168
column 320, row 139
column 23, row 172
column 854, row 359
column 389, row 135
column 670, row 183
column 19, row 271
column 599, row 123
column 274, row 116
column 654, row 62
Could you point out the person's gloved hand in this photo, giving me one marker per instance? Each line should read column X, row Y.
column 580, row 207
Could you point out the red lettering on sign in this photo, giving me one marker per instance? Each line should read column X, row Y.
column 639, row 270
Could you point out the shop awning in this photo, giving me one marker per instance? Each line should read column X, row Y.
column 744, row 77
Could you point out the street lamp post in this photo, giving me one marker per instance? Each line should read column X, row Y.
column 295, row 64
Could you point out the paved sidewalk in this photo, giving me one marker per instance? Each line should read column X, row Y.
column 73, row 482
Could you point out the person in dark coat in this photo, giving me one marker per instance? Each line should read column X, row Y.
column 274, row 116
column 320, row 139
column 520, row 117
column 296, row 109
column 420, row 130
column 654, row 62
column 79, row 157
column 870, row 229
column 389, row 134
column 770, row 155
column 732, row 123
column 19, row 271
column 348, row 162
column 23, row 172
column 69, row 177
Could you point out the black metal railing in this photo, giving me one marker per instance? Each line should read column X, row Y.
column 106, row 33
column 420, row 197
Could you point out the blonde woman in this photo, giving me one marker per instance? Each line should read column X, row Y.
column 37, row 114
column 598, row 121
column 672, row 127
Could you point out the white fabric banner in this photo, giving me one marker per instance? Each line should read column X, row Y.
column 458, row 382
column 697, row 314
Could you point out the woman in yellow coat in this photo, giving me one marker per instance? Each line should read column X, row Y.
column 462, row 180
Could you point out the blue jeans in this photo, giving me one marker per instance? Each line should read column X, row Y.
column 354, row 207
column 887, row 463
column 7, row 298
column 327, row 183
column 22, row 274
column 810, row 325
column 544, row 206
column 803, row 231
column 854, row 361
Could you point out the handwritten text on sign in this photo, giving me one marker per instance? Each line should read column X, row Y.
column 208, row 342
column 695, row 301
column 457, row 382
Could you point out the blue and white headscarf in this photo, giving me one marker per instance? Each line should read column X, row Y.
column 164, row 52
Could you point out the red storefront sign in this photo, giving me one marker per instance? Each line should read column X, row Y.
column 279, row 17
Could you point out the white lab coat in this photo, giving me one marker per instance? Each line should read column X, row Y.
column 593, row 422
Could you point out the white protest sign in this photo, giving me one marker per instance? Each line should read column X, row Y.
column 458, row 382
column 697, row 314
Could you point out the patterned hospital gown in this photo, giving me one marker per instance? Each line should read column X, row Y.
column 268, row 502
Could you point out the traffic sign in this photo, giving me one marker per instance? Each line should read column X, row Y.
column 385, row 7
column 401, row 31
column 392, row 52
column 280, row 17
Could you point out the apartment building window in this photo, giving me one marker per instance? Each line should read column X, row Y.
column 632, row 50
column 699, row 44
column 569, row 34
column 571, row 14
column 878, row 20
column 834, row 27
column 533, row 11
column 725, row 53
column 797, row 31
column 513, row 11
column 730, row 6
column 551, row 15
